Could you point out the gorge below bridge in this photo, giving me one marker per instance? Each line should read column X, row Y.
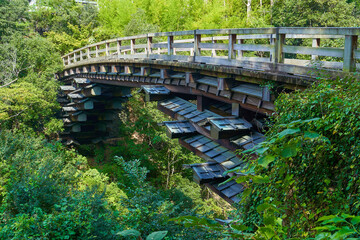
column 219, row 86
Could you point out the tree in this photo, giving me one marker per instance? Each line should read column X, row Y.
column 314, row 13
column 29, row 102
column 13, row 17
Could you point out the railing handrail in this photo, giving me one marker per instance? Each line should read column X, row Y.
column 276, row 35
column 285, row 30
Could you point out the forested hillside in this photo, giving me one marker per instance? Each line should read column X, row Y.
column 304, row 185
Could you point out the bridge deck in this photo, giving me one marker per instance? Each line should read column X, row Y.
column 295, row 51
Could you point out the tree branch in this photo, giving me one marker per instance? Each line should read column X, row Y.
column 5, row 85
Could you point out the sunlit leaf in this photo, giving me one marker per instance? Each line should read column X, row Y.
column 266, row 160
column 157, row 235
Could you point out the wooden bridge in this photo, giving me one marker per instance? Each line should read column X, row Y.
column 219, row 85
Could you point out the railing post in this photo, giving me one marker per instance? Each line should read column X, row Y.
column 118, row 47
column 81, row 55
column 349, row 64
column 197, row 41
column 232, row 52
column 315, row 43
column 97, row 51
column 75, row 60
column 64, row 61
column 240, row 52
column 69, row 60
column 213, row 51
column 107, row 49
column 279, row 43
column 132, row 44
column 88, row 53
column 170, row 45
column 149, row 48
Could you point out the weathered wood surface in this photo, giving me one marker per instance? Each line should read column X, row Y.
column 232, row 43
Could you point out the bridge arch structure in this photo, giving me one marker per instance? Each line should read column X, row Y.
column 218, row 85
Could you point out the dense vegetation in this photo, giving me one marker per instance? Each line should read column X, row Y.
column 304, row 184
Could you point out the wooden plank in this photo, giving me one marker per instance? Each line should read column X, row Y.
column 320, row 30
column 329, row 52
column 349, row 59
column 184, row 45
column 253, row 47
column 215, row 46
column 177, row 129
column 159, row 45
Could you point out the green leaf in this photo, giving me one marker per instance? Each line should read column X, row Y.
column 264, row 206
column 323, row 235
column 344, row 232
column 269, row 219
column 311, row 135
column 239, row 227
column 245, row 194
column 260, row 179
column 355, row 220
column 288, row 131
column 289, row 151
column 157, row 235
column 326, row 227
column 130, row 232
column 242, row 179
column 268, row 232
column 326, row 218
column 310, row 120
column 279, row 221
column 266, row 160
column 261, row 151
column 336, row 219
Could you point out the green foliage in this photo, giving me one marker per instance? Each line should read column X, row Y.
column 309, row 165
column 343, row 226
column 13, row 17
column 40, row 197
column 148, row 142
column 61, row 16
column 150, row 209
column 29, row 104
column 314, row 13
column 153, row 236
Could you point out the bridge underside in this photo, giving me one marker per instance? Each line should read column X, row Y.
column 218, row 85
column 215, row 112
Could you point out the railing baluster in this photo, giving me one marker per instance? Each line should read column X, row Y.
column 213, row 51
column 232, row 41
column 69, row 60
column 107, row 49
column 132, row 44
column 75, row 60
column 240, row 52
column 349, row 64
column 279, row 43
column 197, row 41
column 97, row 51
column 170, row 45
column 88, row 53
column 149, row 48
column 315, row 43
column 118, row 47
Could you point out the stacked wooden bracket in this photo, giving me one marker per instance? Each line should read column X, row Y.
column 89, row 110
column 214, row 137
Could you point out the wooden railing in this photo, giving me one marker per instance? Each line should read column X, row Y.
column 289, row 50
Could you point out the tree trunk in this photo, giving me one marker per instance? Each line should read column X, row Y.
column 248, row 9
